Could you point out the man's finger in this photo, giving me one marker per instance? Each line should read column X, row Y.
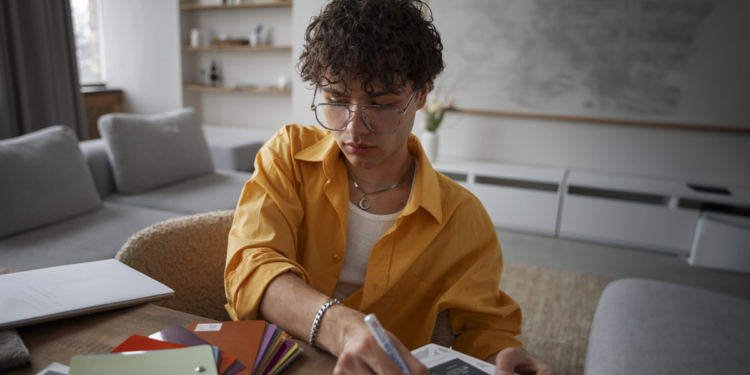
column 416, row 367
column 506, row 362
column 349, row 363
column 504, row 368
column 378, row 360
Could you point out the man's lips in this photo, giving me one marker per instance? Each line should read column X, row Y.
column 359, row 148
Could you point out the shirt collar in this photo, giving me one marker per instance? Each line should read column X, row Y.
column 426, row 186
column 426, row 192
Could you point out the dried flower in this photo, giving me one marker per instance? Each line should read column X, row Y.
column 435, row 111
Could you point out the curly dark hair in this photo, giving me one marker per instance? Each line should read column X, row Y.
column 391, row 41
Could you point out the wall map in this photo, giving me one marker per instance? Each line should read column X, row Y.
column 636, row 59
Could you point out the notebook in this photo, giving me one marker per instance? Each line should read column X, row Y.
column 46, row 294
column 158, row 362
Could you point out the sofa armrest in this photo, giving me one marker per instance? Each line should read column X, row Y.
column 652, row 327
column 95, row 153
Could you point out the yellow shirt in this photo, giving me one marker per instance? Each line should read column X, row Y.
column 442, row 253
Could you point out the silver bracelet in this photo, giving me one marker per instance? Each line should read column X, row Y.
column 316, row 322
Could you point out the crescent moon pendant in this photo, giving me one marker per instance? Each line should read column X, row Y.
column 362, row 204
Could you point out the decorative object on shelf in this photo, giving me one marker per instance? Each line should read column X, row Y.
column 434, row 113
column 430, row 145
column 215, row 76
column 256, row 37
column 282, row 82
column 227, row 42
column 204, row 80
column 195, row 37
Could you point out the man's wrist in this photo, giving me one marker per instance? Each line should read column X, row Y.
column 317, row 320
column 337, row 327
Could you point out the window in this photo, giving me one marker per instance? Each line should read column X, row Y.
column 88, row 37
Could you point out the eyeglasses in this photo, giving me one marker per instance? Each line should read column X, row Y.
column 378, row 118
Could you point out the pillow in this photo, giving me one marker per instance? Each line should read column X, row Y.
column 148, row 151
column 43, row 179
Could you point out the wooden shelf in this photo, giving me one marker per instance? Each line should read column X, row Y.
column 245, row 48
column 280, row 3
column 252, row 90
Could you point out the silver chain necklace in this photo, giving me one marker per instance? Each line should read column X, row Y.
column 388, row 186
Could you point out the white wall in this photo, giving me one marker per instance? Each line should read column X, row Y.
column 142, row 53
column 695, row 156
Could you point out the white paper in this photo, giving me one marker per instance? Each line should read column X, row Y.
column 208, row 327
column 55, row 369
column 432, row 356
column 58, row 292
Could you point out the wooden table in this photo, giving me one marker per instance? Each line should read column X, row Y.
column 60, row 340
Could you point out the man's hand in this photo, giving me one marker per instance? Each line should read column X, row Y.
column 363, row 355
column 510, row 360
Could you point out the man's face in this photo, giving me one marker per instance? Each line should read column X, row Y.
column 363, row 147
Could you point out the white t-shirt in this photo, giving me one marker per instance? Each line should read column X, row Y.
column 363, row 231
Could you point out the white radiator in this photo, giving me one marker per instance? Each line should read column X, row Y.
column 646, row 213
column 722, row 242
column 516, row 197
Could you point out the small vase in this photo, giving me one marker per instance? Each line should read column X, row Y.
column 430, row 145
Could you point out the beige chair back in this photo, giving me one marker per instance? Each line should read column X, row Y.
column 187, row 254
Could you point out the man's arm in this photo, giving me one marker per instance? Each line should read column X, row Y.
column 292, row 304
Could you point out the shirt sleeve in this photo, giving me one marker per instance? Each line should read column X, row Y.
column 263, row 238
column 484, row 318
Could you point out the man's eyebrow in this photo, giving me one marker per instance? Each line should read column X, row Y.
column 332, row 91
column 381, row 93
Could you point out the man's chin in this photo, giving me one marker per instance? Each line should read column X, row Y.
column 361, row 161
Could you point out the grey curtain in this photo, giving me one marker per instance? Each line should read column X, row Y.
column 38, row 68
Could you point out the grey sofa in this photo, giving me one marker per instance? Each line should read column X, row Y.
column 651, row 327
column 61, row 202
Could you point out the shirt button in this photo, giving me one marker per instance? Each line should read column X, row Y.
column 336, row 257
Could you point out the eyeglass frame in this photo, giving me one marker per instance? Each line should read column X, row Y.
column 314, row 106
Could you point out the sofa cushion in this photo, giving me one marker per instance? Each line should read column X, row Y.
column 88, row 237
column 43, row 179
column 652, row 327
column 148, row 151
column 235, row 149
column 213, row 192
column 95, row 153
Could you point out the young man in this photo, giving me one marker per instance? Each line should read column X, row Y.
column 353, row 210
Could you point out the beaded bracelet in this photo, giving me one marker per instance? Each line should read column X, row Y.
column 316, row 322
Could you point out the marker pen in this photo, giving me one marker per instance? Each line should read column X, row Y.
column 377, row 330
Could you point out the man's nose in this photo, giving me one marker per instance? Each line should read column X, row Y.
column 357, row 124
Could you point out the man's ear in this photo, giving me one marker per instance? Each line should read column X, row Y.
column 422, row 95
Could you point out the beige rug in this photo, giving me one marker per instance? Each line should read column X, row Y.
column 558, row 308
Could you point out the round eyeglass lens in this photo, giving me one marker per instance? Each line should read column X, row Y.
column 331, row 116
column 381, row 119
